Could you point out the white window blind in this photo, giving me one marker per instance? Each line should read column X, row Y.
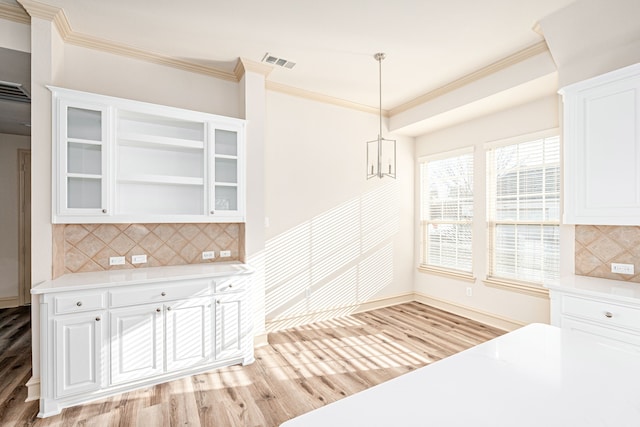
column 523, row 210
column 446, row 186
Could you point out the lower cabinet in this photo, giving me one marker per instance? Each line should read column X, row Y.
column 78, row 353
column 95, row 345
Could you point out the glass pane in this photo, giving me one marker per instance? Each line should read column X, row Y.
column 84, row 158
column 84, row 193
column 226, row 142
column 227, row 171
column 449, row 246
column 226, row 198
column 84, row 124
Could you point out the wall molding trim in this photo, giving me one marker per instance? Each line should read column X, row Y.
column 33, row 389
column 243, row 65
column 14, row 13
column 491, row 319
column 314, row 96
column 526, row 53
column 6, row 302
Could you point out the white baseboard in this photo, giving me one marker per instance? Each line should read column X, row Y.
column 481, row 316
column 261, row 340
column 8, row 302
column 33, row 389
column 273, row 325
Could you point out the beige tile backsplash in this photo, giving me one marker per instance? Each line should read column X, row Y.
column 87, row 247
column 597, row 246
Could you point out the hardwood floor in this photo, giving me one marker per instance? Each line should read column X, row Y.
column 302, row 369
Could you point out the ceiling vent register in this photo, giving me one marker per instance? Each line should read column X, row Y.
column 280, row 62
column 13, row 92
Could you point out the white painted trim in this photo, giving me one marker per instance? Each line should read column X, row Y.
column 547, row 133
column 469, row 277
column 261, row 340
column 523, row 288
column 14, row 13
column 7, row 302
column 273, row 325
column 472, row 313
column 446, row 154
column 33, row 389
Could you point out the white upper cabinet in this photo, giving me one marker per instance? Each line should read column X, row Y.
column 602, row 149
column 127, row 161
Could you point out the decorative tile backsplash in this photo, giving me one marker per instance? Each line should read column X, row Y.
column 87, row 247
column 597, row 246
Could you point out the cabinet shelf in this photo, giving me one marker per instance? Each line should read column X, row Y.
column 84, row 141
column 84, row 175
column 160, row 142
column 226, row 184
column 160, row 179
column 224, row 156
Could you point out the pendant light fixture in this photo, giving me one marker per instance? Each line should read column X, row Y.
column 381, row 152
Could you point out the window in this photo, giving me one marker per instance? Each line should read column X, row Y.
column 523, row 210
column 446, row 186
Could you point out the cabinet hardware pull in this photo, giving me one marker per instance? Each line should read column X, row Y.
column 164, row 294
column 230, row 286
column 104, row 211
column 217, row 301
column 608, row 315
column 97, row 318
column 158, row 310
column 79, row 303
column 213, row 212
column 168, row 308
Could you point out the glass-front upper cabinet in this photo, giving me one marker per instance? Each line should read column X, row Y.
column 83, row 158
column 227, row 160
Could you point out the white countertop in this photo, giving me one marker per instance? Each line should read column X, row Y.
column 110, row 278
column 537, row 376
column 595, row 286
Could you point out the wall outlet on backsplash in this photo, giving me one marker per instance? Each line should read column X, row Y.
column 138, row 259
column 621, row 268
column 225, row 254
column 116, row 260
column 208, row 255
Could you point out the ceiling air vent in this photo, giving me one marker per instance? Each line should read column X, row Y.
column 280, row 62
column 13, row 92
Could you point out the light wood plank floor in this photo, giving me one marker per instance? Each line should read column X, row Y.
column 302, row 369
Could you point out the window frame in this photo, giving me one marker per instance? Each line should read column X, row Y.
column 423, row 262
column 526, row 286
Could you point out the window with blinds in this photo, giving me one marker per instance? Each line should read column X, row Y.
column 446, row 187
column 523, row 210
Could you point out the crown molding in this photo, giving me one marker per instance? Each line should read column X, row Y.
column 14, row 13
column 243, row 65
column 301, row 93
column 531, row 51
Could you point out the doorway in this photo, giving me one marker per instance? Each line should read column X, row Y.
column 24, row 226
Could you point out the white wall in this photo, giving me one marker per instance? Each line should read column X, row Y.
column 9, row 145
column 335, row 240
column 528, row 118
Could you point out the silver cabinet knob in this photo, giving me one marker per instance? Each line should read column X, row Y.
column 230, row 286
column 217, row 301
column 608, row 315
column 158, row 310
column 79, row 303
column 104, row 211
column 164, row 294
column 97, row 318
column 168, row 308
column 212, row 212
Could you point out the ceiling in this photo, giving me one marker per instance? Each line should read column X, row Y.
column 428, row 43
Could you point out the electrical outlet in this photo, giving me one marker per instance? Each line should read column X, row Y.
column 116, row 260
column 138, row 259
column 208, row 255
column 469, row 291
column 621, row 268
column 225, row 254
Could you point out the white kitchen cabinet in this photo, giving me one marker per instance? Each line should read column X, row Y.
column 114, row 331
column 158, row 163
column 78, row 352
column 137, row 343
column 602, row 149
column 606, row 310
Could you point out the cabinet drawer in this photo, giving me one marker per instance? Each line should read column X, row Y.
column 605, row 313
column 602, row 334
column 158, row 293
column 229, row 284
column 78, row 303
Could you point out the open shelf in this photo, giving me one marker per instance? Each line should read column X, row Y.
column 159, row 142
column 160, row 179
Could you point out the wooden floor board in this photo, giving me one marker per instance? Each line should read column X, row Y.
column 301, row 369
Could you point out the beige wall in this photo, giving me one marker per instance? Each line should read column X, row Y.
column 334, row 240
column 534, row 116
column 9, row 145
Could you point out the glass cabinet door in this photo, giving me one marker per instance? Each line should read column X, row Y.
column 82, row 146
column 226, row 195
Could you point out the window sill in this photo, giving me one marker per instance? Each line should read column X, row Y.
column 521, row 287
column 461, row 275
